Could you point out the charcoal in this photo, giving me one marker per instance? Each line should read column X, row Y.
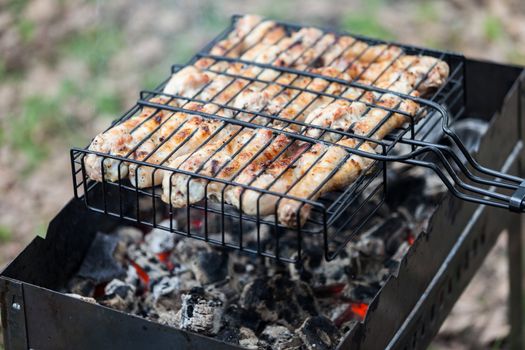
column 347, row 326
column 100, row 265
column 229, row 335
column 129, row 234
column 384, row 238
column 201, row 311
column 231, row 317
column 147, row 262
column 371, row 246
column 318, row 333
column 279, row 298
column 255, row 302
column 321, row 273
column 81, row 286
column 247, row 338
column 363, row 292
column 394, row 262
column 234, row 317
column 241, row 271
column 120, row 296
column 186, row 250
column 398, row 185
column 160, row 241
column 280, row 338
column 165, row 293
column 210, row 266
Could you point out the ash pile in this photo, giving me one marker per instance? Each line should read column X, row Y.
column 250, row 301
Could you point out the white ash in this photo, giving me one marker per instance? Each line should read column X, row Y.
column 280, row 337
column 186, row 250
column 120, row 295
column 169, row 317
column 166, row 285
column 371, row 246
column 401, row 252
column 336, row 311
column 160, row 241
column 147, row 260
column 118, row 286
column 132, row 278
column 248, row 339
column 201, row 312
column 81, row 297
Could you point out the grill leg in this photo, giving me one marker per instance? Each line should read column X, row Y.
column 516, row 283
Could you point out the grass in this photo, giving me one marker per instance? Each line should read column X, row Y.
column 41, row 119
column 26, row 28
column 493, row 28
column 94, row 46
column 41, row 230
column 515, row 56
column 16, row 6
column 39, row 116
column 277, row 9
column 5, row 234
column 212, row 19
column 366, row 21
column 426, row 12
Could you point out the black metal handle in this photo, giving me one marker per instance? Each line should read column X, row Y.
column 517, row 198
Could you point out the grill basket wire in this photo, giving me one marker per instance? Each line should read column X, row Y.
column 334, row 219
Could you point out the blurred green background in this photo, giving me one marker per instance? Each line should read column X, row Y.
column 67, row 68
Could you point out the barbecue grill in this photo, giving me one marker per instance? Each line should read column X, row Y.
column 408, row 309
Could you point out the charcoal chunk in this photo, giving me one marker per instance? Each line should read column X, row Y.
column 82, row 286
column 100, row 264
column 201, row 311
column 318, row 333
column 279, row 298
column 210, row 266
column 229, row 335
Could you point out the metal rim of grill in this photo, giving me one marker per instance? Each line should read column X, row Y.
column 324, row 223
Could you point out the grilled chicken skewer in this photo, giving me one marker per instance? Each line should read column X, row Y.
column 333, row 168
column 226, row 158
column 119, row 140
column 176, row 138
column 123, row 138
column 268, row 175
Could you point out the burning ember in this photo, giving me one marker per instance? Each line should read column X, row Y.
column 246, row 300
